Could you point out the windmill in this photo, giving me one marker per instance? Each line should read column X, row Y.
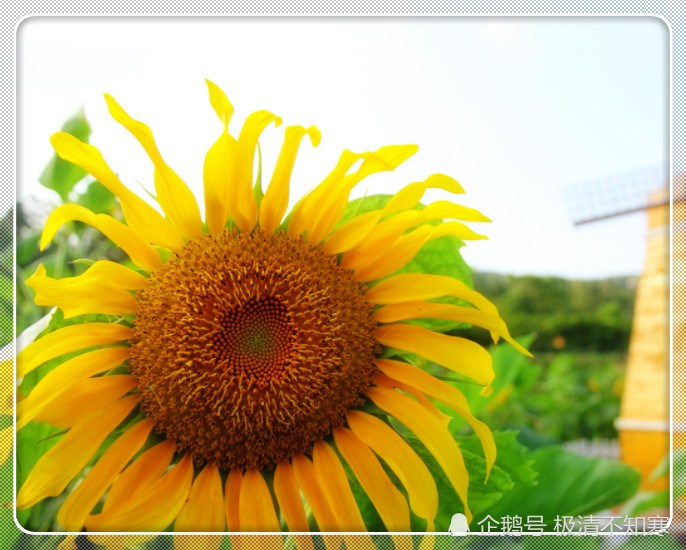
column 643, row 423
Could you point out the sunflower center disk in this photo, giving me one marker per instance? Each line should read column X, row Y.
column 250, row 348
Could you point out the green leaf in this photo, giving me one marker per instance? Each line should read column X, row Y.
column 513, row 468
column 569, row 485
column 98, row 198
column 513, row 372
column 60, row 175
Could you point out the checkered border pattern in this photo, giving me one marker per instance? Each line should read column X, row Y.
column 14, row 13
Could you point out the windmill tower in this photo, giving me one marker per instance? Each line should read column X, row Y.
column 643, row 423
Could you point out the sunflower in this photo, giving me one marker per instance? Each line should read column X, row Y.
column 254, row 366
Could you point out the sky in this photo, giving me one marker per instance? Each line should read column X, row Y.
column 517, row 109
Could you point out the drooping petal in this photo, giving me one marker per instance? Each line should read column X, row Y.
column 309, row 484
column 232, row 494
column 288, row 497
column 275, row 199
column 59, row 465
column 255, row 506
column 243, row 205
column 394, row 450
column 445, row 393
column 140, row 252
column 140, row 476
column 410, row 195
column 84, row 398
column 204, row 510
column 332, row 206
column 453, row 352
column 66, row 340
column 334, row 484
column 383, row 261
column 355, row 231
column 218, row 164
column 81, row 500
column 103, row 288
column 389, row 231
column 428, row 429
column 65, row 376
column 153, row 510
column 175, row 198
column 140, row 216
column 387, row 499
column 422, row 286
column 421, row 310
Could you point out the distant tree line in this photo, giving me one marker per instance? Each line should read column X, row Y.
column 575, row 315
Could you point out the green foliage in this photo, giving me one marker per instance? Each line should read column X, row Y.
column 59, row 175
column 553, row 397
column 570, row 314
column 568, row 485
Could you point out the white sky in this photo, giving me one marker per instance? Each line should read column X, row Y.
column 513, row 108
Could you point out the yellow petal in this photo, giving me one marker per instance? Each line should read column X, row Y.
column 140, row 476
column 68, row 339
column 174, row 196
column 445, row 393
column 140, row 216
column 429, row 430
column 354, row 232
column 334, row 484
column 204, row 510
column 78, row 401
column 140, row 252
column 410, row 195
column 387, row 499
column 255, row 506
column 243, row 205
column 421, row 310
column 394, row 450
column 65, row 376
column 59, row 465
column 383, row 259
column 275, row 199
column 101, row 289
column 81, row 500
column 220, row 103
column 332, row 206
column 232, row 494
column 217, row 181
column 154, row 509
column 453, row 352
column 303, row 215
column 311, row 488
column 288, row 497
column 420, row 286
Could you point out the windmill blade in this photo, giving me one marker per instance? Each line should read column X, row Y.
column 617, row 195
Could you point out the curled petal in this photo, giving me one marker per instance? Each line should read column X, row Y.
column 174, row 196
